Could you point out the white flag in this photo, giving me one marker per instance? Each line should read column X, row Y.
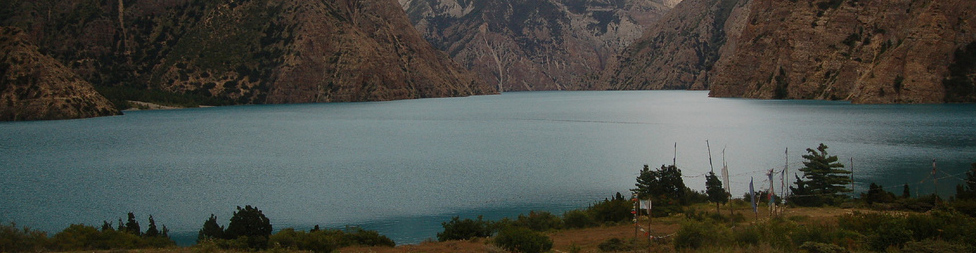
column 645, row 204
column 725, row 177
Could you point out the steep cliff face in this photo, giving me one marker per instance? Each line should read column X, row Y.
column 532, row 44
column 246, row 51
column 680, row 50
column 34, row 86
column 862, row 51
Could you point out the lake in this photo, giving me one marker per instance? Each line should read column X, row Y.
column 403, row 167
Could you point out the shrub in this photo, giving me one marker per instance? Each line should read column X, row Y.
column 816, row 247
column 616, row 244
column 458, row 229
column 519, row 239
column 539, row 221
column 612, row 210
column 695, row 234
column 13, row 239
column 366, row 238
column 889, row 233
column 936, row 246
column 578, row 219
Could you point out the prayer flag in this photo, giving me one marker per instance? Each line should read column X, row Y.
column 752, row 192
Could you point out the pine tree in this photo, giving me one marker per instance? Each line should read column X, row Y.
column 663, row 186
column 713, row 187
column 106, row 226
column 210, row 230
column 905, row 193
column 250, row 222
column 152, row 231
column 968, row 189
column 132, row 226
column 823, row 180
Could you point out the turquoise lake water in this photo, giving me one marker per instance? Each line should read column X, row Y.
column 403, row 167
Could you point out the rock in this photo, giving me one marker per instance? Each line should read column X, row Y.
column 247, row 51
column 534, row 44
column 34, row 86
column 861, row 51
column 679, row 51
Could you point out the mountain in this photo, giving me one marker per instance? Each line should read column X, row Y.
column 244, row 51
column 34, row 86
column 862, row 51
column 534, row 44
column 857, row 50
column 680, row 50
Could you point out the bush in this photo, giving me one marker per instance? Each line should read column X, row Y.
column 578, row 219
column 539, row 221
column 936, row 246
column 13, row 239
column 458, row 229
column 616, row 244
column 519, row 239
column 695, row 234
column 612, row 210
column 365, row 238
column 816, row 247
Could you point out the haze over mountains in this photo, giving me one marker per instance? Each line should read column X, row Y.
column 262, row 51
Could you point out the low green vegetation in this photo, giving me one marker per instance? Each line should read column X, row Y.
column 249, row 229
column 81, row 237
column 121, row 95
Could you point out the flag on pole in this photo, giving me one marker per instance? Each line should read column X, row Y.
column 933, row 167
column 752, row 193
column 725, row 177
column 645, row 204
column 772, row 194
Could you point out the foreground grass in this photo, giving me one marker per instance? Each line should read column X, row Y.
column 786, row 231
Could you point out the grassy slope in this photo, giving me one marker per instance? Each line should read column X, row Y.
column 588, row 240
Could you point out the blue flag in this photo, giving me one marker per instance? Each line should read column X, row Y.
column 752, row 192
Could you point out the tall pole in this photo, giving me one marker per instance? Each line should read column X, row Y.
column 935, row 181
column 786, row 171
column 636, row 214
column 853, row 191
column 674, row 160
column 710, row 157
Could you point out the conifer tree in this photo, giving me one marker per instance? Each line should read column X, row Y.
column 132, row 226
column 663, row 186
column 152, row 231
column 250, row 222
column 106, row 226
column 823, row 180
column 713, row 187
column 968, row 189
column 210, row 230
column 905, row 193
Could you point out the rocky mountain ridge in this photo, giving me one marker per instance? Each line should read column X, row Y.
column 532, row 44
column 34, row 86
column 861, row 51
column 679, row 51
column 857, row 50
column 244, row 51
